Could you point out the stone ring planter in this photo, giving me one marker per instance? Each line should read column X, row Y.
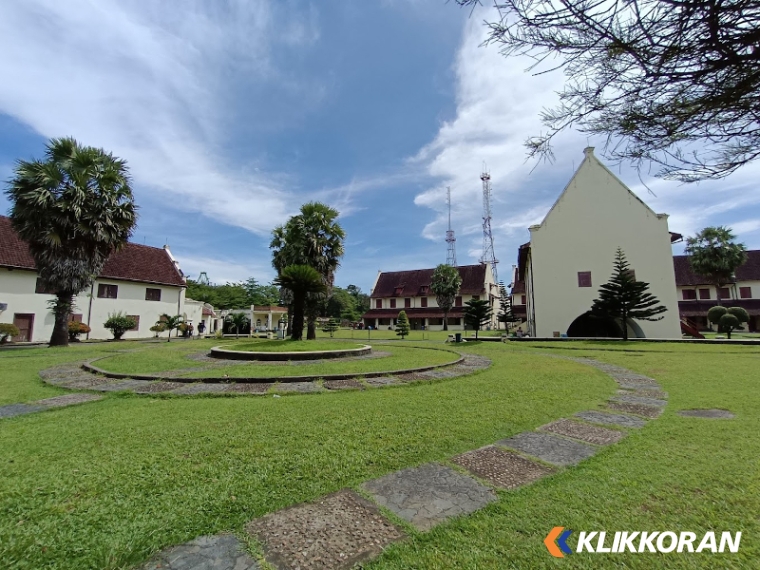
column 219, row 352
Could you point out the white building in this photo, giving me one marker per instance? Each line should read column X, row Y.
column 140, row 281
column 571, row 253
column 409, row 291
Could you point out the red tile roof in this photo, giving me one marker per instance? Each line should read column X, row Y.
column 410, row 283
column 518, row 287
column 699, row 308
column 132, row 263
column 750, row 271
column 413, row 313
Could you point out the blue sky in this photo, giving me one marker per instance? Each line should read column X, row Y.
column 232, row 113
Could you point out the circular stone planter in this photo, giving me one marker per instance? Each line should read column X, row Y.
column 219, row 352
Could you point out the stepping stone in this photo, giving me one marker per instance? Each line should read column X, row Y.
column 303, row 387
column 344, row 385
column 549, row 448
column 13, row 410
column 501, row 467
column 121, row 385
column 157, row 387
column 383, row 381
column 644, row 393
column 649, row 412
column 84, row 382
column 334, row 532
column 713, row 414
column 584, row 432
column 638, row 386
column 640, row 400
column 428, row 495
column 611, row 419
column 220, row 552
column 68, row 400
column 249, row 387
column 639, row 380
column 201, row 388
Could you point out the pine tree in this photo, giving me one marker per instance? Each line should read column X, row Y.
column 331, row 326
column 477, row 312
column 402, row 325
column 623, row 298
column 505, row 314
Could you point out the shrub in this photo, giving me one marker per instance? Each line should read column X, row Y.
column 728, row 320
column 118, row 324
column 75, row 329
column 7, row 330
column 331, row 326
column 402, row 325
column 158, row 328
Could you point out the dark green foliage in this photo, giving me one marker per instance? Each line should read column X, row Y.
column 714, row 255
column 477, row 312
column 169, row 323
column 234, row 295
column 728, row 320
column 728, row 323
column 75, row 329
column 74, row 209
column 237, row 322
column 7, row 330
column 505, row 314
column 301, row 280
column 118, row 324
column 402, row 325
column 445, row 286
column 331, row 326
column 624, row 298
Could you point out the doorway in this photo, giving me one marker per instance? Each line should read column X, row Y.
column 25, row 325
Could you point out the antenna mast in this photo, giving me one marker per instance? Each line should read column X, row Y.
column 489, row 256
column 203, row 278
column 451, row 255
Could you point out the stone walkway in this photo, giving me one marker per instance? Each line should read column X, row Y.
column 12, row 410
column 339, row 530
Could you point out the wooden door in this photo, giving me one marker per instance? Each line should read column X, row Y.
column 25, row 324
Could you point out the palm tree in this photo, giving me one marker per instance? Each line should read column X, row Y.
column 74, row 209
column 301, row 280
column 714, row 255
column 237, row 321
column 170, row 323
column 311, row 238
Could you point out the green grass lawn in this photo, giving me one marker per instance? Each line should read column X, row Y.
column 292, row 345
column 105, row 485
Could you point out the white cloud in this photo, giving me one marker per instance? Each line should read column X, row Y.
column 146, row 80
column 221, row 270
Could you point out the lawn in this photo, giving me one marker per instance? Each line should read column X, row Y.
column 292, row 345
column 104, row 485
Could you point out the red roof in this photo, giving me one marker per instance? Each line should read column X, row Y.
column 134, row 262
column 268, row 308
column 410, row 283
column 518, row 287
column 699, row 308
column 413, row 313
column 750, row 271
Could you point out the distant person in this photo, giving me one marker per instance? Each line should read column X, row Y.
column 201, row 328
column 190, row 330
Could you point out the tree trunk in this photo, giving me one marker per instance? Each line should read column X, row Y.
column 311, row 329
column 298, row 310
column 717, row 294
column 62, row 311
column 625, row 326
column 445, row 319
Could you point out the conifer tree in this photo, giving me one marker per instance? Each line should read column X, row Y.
column 402, row 325
column 477, row 312
column 505, row 314
column 331, row 326
column 623, row 298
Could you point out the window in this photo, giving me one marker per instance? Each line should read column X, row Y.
column 378, row 303
column 454, row 321
column 397, row 291
column 689, row 294
column 704, row 293
column 584, row 279
column 152, row 294
column 107, row 291
column 77, row 318
column 458, row 301
column 393, row 303
column 435, row 322
column 424, row 290
column 407, row 302
column 137, row 322
column 423, row 302
column 41, row 289
column 725, row 293
column 522, row 299
column 383, row 322
column 745, row 292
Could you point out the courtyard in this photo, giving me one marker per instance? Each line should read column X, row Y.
column 111, row 483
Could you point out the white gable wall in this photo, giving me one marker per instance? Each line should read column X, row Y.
column 594, row 216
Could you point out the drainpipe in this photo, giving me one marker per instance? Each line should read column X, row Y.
column 89, row 309
column 179, row 306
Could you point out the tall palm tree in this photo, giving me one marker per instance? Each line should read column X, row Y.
column 170, row 322
column 301, row 280
column 74, row 209
column 237, row 321
column 313, row 238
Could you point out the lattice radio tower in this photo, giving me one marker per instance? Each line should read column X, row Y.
column 488, row 254
column 451, row 254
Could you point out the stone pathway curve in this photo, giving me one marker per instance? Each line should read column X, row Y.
column 12, row 410
column 341, row 529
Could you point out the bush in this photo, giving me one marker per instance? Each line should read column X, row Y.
column 158, row 328
column 728, row 320
column 75, row 329
column 118, row 324
column 715, row 313
column 7, row 330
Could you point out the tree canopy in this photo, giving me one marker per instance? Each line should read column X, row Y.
column 670, row 82
column 74, row 209
column 477, row 312
column 714, row 255
column 445, row 285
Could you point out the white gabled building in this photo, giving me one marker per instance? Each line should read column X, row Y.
column 143, row 282
column 571, row 253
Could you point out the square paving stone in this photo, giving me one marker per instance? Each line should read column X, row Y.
column 644, row 393
column 638, row 386
column 334, row 532
column 383, row 381
column 121, row 385
column 249, row 388
column 611, row 419
column 201, row 388
column 641, row 400
column 648, row 412
column 68, row 400
column 427, row 495
column 584, row 432
column 13, row 410
column 157, row 387
column 501, row 467
column 221, row 552
column 303, row 387
column 84, row 382
column 344, row 385
column 549, row 448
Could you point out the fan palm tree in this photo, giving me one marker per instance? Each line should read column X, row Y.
column 237, row 321
column 312, row 238
column 170, row 323
column 74, row 209
column 301, row 280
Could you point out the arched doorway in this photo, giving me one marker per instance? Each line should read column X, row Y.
column 589, row 325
